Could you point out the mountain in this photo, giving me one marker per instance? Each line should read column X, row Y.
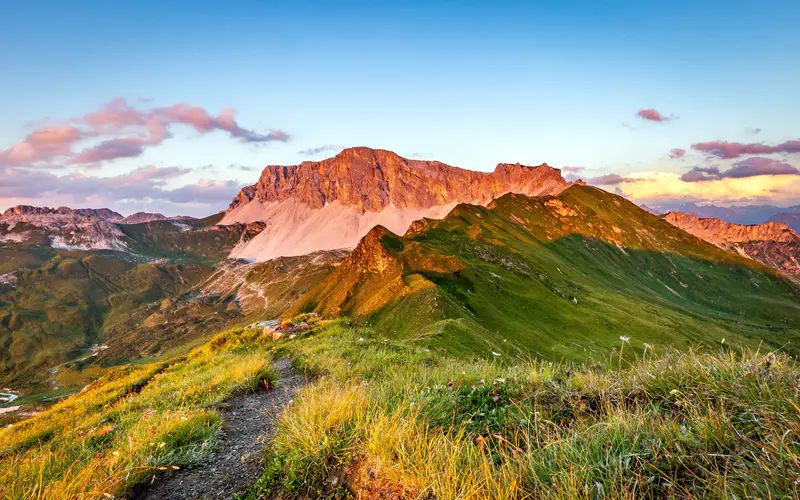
column 773, row 244
column 331, row 204
column 791, row 219
column 556, row 276
column 141, row 217
column 748, row 214
column 27, row 210
column 139, row 237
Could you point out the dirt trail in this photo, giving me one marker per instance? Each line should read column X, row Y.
column 237, row 462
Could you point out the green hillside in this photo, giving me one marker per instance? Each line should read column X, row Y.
column 61, row 300
column 558, row 278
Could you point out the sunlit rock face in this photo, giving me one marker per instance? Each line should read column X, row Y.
column 773, row 244
column 333, row 203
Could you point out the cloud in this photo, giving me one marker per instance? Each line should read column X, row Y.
column 752, row 130
column 573, row 170
column 320, row 149
column 652, row 115
column 675, row 153
column 699, row 174
column 44, row 143
column 608, row 179
column 125, row 132
column 145, row 174
column 724, row 149
column 143, row 188
column 750, row 167
column 754, row 166
column 654, row 187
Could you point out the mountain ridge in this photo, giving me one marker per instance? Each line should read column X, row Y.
column 773, row 244
column 333, row 203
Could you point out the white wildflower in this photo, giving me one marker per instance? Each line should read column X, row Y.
column 624, row 338
column 495, row 353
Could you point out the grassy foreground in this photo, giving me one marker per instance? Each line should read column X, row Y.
column 388, row 419
column 129, row 425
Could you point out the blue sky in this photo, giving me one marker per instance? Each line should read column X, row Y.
column 468, row 83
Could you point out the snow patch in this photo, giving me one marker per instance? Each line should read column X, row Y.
column 14, row 237
column 9, row 279
column 181, row 225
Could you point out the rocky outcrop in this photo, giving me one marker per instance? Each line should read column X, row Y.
column 333, row 203
column 373, row 179
column 720, row 232
column 141, row 217
column 27, row 210
column 370, row 255
column 773, row 244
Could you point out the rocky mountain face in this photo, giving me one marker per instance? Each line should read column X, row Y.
column 139, row 237
column 746, row 214
column 140, row 218
column 333, row 203
column 774, row 244
column 27, row 210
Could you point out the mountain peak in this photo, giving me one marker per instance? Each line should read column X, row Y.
column 373, row 179
column 29, row 210
column 331, row 204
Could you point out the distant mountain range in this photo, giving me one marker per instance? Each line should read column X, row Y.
column 746, row 214
column 774, row 244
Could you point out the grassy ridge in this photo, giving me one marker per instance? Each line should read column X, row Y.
column 389, row 418
column 561, row 278
column 129, row 425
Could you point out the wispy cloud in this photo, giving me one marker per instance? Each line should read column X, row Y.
column 320, row 149
column 146, row 187
column 126, row 132
column 752, row 130
column 750, row 167
column 676, row 153
column 725, row 149
column 608, row 180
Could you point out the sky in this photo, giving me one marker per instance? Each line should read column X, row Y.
column 172, row 107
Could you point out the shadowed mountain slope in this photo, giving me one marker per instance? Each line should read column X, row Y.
column 558, row 277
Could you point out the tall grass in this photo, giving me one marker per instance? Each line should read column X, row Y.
column 392, row 419
column 129, row 425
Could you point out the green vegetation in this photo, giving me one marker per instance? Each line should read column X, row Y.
column 388, row 417
column 65, row 301
column 129, row 425
column 393, row 418
column 558, row 278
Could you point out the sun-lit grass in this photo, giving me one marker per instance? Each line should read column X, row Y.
column 389, row 417
column 129, row 425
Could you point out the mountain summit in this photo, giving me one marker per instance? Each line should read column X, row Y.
column 333, row 203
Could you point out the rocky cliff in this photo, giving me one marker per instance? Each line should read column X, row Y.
column 773, row 243
column 333, row 203
column 27, row 210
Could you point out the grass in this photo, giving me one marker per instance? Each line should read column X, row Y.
column 393, row 418
column 559, row 278
column 131, row 424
